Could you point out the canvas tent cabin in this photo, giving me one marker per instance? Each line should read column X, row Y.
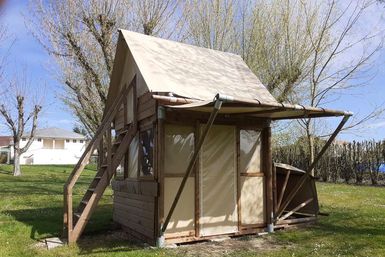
column 190, row 130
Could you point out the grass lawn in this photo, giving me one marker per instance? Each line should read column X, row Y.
column 31, row 209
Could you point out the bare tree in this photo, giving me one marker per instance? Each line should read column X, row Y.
column 81, row 36
column 3, row 37
column 17, row 116
column 211, row 23
column 274, row 43
column 338, row 61
column 269, row 35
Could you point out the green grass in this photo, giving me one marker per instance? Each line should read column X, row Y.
column 31, row 209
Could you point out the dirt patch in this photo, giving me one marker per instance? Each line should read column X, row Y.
column 256, row 244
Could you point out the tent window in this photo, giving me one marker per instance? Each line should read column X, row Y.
column 250, row 151
column 120, row 170
column 132, row 164
column 179, row 148
column 146, row 152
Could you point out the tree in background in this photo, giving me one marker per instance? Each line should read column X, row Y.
column 19, row 111
column 301, row 50
column 81, row 36
column 80, row 130
column 3, row 36
column 211, row 24
column 341, row 58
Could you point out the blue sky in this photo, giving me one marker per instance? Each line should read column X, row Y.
column 27, row 52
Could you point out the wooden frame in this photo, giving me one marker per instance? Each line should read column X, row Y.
column 259, row 128
column 149, row 118
column 105, row 173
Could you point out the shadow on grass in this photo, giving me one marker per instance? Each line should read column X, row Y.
column 349, row 224
column 5, row 172
column 46, row 222
column 345, row 232
column 101, row 234
column 109, row 242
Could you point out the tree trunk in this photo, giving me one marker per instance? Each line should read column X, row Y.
column 311, row 147
column 16, row 164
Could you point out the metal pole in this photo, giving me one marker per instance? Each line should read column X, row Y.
column 217, row 106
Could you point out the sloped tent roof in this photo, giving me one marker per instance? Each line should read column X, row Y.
column 199, row 74
column 55, row 133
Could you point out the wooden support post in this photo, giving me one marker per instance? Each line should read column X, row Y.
column 197, row 200
column 210, row 122
column 283, row 189
column 160, row 146
column 109, row 146
column 268, row 178
column 274, row 188
column 305, row 176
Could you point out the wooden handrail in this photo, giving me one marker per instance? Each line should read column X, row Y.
column 97, row 139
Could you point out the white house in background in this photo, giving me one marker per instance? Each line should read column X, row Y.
column 53, row 146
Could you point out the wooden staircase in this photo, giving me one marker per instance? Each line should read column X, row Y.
column 111, row 152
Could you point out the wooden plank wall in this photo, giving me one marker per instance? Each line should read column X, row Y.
column 134, row 206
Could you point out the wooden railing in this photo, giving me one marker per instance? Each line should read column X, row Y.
column 102, row 136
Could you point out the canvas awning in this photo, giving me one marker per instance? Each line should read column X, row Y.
column 255, row 108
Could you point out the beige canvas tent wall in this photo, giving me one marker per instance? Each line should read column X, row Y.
column 190, row 148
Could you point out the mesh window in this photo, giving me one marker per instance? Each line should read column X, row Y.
column 146, row 152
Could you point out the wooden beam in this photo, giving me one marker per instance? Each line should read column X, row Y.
column 103, row 183
column 210, row 122
column 305, row 176
column 268, row 165
column 238, row 171
column 108, row 117
column 160, row 167
column 283, row 189
column 197, row 211
column 274, row 189
column 295, row 221
column 295, row 209
column 170, row 100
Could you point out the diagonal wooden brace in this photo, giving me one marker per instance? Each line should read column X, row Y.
column 217, row 106
column 305, row 176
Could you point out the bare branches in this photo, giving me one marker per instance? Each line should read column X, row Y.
column 211, row 24
column 81, row 36
column 17, row 117
column 34, row 114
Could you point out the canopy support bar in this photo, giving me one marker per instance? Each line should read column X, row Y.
column 217, row 106
column 305, row 176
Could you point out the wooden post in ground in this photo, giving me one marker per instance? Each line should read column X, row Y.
column 268, row 165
